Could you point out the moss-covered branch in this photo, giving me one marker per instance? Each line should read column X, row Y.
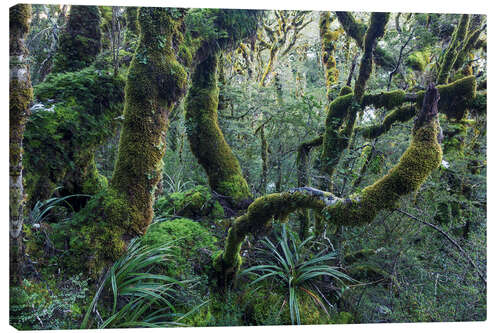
column 356, row 31
column 459, row 35
column 344, row 109
column 419, row 160
column 20, row 97
column 400, row 114
column 328, row 39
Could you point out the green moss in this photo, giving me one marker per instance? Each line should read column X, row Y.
column 78, row 113
column 205, row 137
column 455, row 97
column 19, row 18
column 344, row 318
column 265, row 307
column 389, row 99
column 346, row 90
column 401, row 114
column 98, row 232
column 155, row 82
column 194, row 203
column 328, row 39
column 451, row 53
column 80, row 42
column 190, row 238
column 417, row 60
column 422, row 156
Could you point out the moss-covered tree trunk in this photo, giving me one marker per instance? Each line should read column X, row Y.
column 206, row 139
column 20, row 97
column 80, row 42
column 156, row 81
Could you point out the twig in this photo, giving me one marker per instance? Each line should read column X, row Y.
column 441, row 231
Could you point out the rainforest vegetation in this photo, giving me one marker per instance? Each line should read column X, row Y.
column 221, row 167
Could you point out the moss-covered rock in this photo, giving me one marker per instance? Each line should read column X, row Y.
column 195, row 203
column 191, row 242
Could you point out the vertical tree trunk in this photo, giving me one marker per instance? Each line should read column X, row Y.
column 20, row 98
column 206, row 139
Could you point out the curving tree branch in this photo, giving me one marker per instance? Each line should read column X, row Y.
column 419, row 160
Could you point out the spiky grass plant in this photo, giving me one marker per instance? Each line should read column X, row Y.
column 291, row 265
column 141, row 297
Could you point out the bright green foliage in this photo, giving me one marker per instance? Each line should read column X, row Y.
column 189, row 238
column 33, row 306
column 194, row 203
column 80, row 42
column 205, row 137
column 77, row 112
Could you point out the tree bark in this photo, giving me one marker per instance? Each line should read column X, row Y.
column 20, row 97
